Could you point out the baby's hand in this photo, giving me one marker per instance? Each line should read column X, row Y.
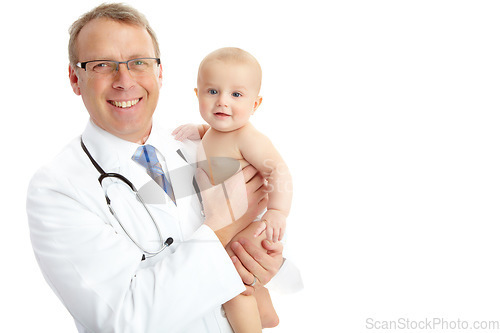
column 275, row 222
column 188, row 131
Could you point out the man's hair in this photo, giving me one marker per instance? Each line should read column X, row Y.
column 114, row 11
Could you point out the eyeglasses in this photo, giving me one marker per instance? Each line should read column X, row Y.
column 139, row 66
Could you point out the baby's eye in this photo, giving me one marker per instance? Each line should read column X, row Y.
column 236, row 94
column 212, row 91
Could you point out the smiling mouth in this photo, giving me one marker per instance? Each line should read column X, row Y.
column 221, row 114
column 125, row 104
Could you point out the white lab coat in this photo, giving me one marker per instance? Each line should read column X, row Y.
column 95, row 269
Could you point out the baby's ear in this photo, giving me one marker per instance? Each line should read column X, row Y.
column 196, row 91
column 257, row 103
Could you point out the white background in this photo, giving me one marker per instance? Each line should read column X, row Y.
column 387, row 113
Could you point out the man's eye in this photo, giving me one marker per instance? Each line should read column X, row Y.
column 102, row 65
column 212, row 92
column 138, row 63
column 236, row 94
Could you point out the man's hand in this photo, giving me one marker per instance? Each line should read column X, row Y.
column 223, row 203
column 252, row 261
column 248, row 185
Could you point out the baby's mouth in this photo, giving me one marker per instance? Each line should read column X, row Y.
column 125, row 104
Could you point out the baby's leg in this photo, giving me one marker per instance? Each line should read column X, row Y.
column 242, row 311
column 243, row 314
column 250, row 313
column 268, row 316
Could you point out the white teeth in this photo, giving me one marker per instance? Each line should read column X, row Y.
column 125, row 104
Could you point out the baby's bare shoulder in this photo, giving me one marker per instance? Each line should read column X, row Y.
column 249, row 132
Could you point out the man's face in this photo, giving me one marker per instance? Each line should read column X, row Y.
column 106, row 96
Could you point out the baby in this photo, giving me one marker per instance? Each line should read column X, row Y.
column 228, row 89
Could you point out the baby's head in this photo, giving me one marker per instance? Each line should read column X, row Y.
column 228, row 88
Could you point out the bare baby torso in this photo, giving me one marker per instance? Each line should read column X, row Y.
column 220, row 156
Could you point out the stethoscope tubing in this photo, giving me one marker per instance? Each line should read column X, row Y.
column 104, row 175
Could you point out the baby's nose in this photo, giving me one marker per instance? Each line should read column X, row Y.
column 222, row 101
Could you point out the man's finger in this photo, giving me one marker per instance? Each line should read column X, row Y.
column 256, row 184
column 255, row 194
column 247, row 260
column 249, row 172
column 245, row 275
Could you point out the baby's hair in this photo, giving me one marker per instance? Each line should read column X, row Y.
column 233, row 54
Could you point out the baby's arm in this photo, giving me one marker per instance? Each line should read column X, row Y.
column 258, row 150
column 190, row 131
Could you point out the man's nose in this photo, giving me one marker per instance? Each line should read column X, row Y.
column 123, row 78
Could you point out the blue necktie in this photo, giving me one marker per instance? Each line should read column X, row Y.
column 146, row 156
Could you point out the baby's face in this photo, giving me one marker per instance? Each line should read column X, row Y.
column 227, row 94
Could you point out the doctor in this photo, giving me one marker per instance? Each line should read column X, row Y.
column 157, row 267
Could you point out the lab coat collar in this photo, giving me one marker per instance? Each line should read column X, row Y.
column 108, row 150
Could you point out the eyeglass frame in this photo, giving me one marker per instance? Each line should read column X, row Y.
column 83, row 65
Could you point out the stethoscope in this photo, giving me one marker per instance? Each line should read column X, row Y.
column 104, row 175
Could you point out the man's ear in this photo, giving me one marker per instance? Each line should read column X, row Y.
column 74, row 80
column 160, row 75
column 257, row 103
column 196, row 91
